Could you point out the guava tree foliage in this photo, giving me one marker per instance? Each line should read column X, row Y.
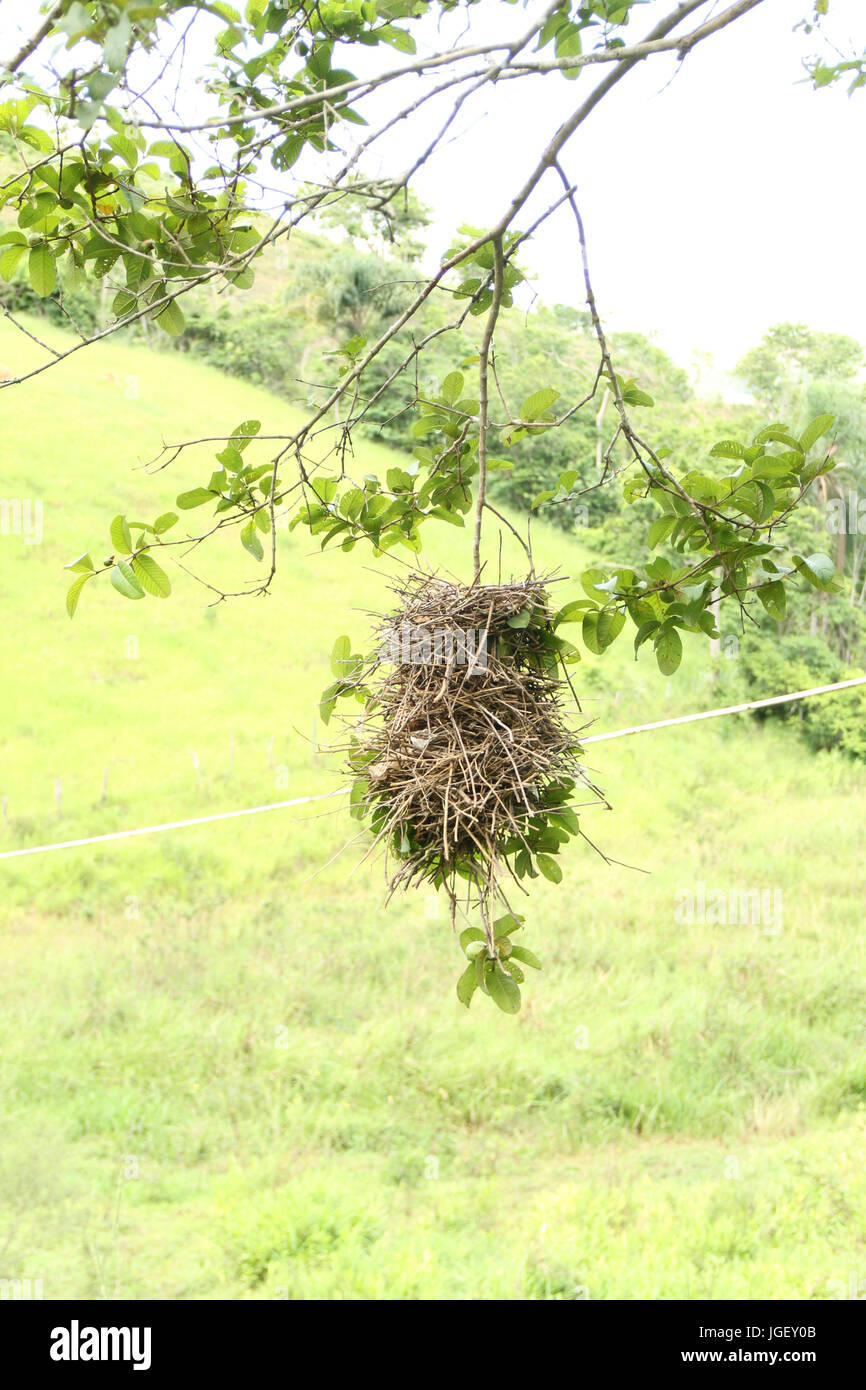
column 156, row 148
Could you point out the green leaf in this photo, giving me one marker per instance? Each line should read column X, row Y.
column 124, row 580
column 610, row 625
column 549, row 867
column 453, row 518
column 120, row 537
column 125, row 148
column 171, row 319
column 151, row 576
column 452, row 388
column 590, row 579
column 323, row 489
column 527, row 957
column 467, row 985
column 358, row 798
column 660, row 530
column 600, row 628
column 778, row 434
column 567, row 819
column 328, row 701
column 230, row 458
column 9, row 260
column 778, row 465
column 352, row 503
column 768, row 501
column 818, row 569
column 728, row 449
column 470, row 934
column 538, row 403
column 701, row 487
column 250, row 428
column 644, row 631
column 814, row 430
column 398, row 38
column 567, row 42
column 74, row 592
column 398, row 480
column 196, row 497
column 540, row 498
column 340, row 654
column 43, row 270
column 567, row 481
column 669, row 650
column 572, row 612
column 504, row 926
column 116, row 42
column 83, row 562
column 250, row 540
column 633, row 395
column 165, row 522
column 774, row 599
column 503, row 991
column 123, row 304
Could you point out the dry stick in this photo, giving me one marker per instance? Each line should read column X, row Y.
column 26, row 331
column 483, row 366
column 515, row 532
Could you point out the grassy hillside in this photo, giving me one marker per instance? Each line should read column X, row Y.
column 228, row 1072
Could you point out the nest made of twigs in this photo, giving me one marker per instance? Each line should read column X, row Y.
column 465, row 761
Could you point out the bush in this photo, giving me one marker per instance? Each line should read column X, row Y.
column 769, row 664
column 839, row 721
column 260, row 344
column 81, row 305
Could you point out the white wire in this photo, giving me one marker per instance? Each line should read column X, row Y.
column 728, row 709
column 342, row 791
column 171, row 825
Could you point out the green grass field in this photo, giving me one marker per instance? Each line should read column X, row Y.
column 227, row 1071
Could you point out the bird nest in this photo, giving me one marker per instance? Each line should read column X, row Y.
column 465, row 762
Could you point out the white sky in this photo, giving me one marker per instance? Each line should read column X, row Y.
column 716, row 204
column 720, row 196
